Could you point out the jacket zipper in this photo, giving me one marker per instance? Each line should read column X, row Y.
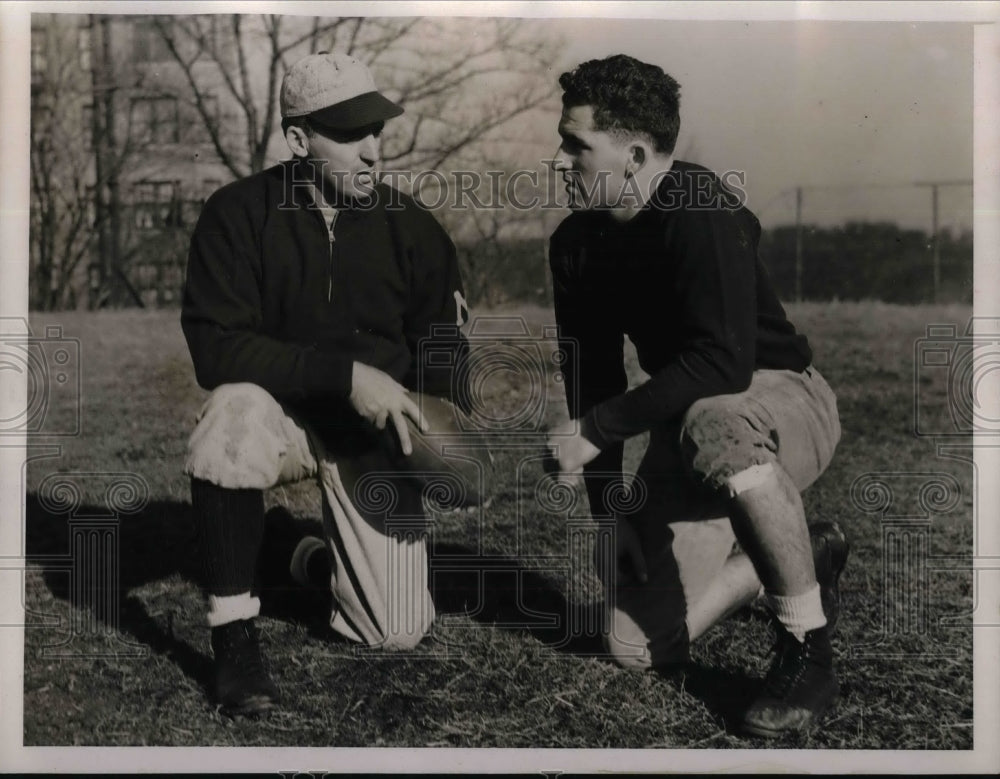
column 329, row 286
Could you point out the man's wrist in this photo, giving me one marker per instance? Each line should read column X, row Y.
column 590, row 430
column 327, row 373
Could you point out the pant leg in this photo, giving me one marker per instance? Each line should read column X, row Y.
column 690, row 472
column 685, row 537
column 784, row 417
column 245, row 439
column 377, row 532
column 242, row 444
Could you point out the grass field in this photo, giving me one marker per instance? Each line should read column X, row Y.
column 502, row 668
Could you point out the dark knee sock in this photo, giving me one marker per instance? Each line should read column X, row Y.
column 230, row 528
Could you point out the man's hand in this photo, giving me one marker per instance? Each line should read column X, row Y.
column 378, row 397
column 570, row 450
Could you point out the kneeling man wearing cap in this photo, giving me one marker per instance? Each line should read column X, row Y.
column 310, row 287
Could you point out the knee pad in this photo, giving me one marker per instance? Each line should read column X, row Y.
column 238, row 441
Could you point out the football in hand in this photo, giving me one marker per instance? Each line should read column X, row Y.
column 451, row 457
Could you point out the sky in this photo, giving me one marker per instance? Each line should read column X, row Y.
column 854, row 108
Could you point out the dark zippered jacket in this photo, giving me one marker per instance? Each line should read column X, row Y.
column 270, row 298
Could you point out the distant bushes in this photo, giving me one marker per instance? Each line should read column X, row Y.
column 496, row 272
column 869, row 260
column 855, row 261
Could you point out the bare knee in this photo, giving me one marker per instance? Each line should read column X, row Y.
column 238, row 441
column 626, row 644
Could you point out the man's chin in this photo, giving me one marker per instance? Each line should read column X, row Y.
column 359, row 196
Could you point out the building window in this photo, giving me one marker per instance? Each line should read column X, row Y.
column 150, row 45
column 39, row 60
column 155, row 120
column 156, row 204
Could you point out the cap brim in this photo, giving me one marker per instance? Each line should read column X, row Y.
column 360, row 111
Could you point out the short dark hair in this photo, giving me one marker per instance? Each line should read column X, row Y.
column 628, row 97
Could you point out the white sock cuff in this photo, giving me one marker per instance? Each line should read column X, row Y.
column 798, row 613
column 223, row 609
column 300, row 558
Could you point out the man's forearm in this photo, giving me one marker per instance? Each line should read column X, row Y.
column 666, row 395
column 286, row 371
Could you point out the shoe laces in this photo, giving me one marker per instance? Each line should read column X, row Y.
column 789, row 666
column 244, row 651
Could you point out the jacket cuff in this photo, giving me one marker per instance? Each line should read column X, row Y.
column 328, row 374
column 590, row 430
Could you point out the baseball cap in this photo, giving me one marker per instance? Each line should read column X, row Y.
column 337, row 90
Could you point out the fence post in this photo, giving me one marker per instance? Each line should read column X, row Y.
column 798, row 244
column 936, row 240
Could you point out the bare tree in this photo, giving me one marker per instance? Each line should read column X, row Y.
column 242, row 60
column 459, row 79
column 79, row 147
column 468, row 86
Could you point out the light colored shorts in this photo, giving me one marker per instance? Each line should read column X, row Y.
column 688, row 472
column 373, row 516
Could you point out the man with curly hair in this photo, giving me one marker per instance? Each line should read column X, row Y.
column 662, row 251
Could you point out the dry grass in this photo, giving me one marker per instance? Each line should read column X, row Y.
column 489, row 677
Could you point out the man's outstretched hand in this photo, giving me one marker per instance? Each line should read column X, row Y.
column 378, row 397
column 569, row 451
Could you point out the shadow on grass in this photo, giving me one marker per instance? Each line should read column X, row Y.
column 725, row 694
column 94, row 564
column 501, row 592
column 158, row 543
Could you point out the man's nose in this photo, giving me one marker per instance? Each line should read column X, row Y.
column 370, row 150
column 558, row 161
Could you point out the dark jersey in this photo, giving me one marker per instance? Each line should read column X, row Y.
column 683, row 280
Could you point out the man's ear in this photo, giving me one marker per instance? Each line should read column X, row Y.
column 297, row 141
column 638, row 154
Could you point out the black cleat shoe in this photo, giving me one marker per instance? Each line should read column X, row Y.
column 242, row 685
column 830, row 548
column 799, row 688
